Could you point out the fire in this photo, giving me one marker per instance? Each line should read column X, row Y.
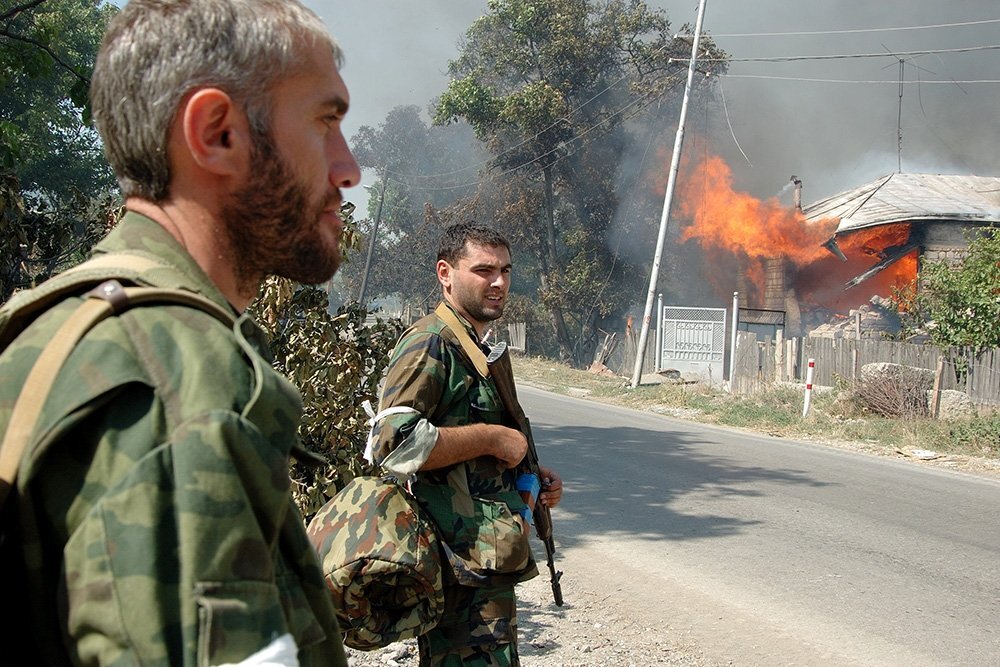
column 744, row 225
column 874, row 240
column 751, row 230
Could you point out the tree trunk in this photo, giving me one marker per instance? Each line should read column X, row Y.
column 550, row 264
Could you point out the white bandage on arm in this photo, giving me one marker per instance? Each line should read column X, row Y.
column 408, row 457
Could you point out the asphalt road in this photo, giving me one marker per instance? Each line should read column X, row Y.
column 767, row 551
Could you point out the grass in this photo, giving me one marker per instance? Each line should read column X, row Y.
column 833, row 419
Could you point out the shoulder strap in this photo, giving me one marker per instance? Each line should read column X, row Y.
column 469, row 346
column 25, row 306
column 108, row 298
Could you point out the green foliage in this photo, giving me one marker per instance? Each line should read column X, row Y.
column 772, row 409
column 980, row 434
column 557, row 90
column 958, row 305
column 55, row 188
column 36, row 242
column 336, row 361
column 47, row 54
column 403, row 150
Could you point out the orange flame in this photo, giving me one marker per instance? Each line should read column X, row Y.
column 743, row 224
column 752, row 230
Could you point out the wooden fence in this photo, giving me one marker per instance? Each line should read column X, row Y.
column 759, row 363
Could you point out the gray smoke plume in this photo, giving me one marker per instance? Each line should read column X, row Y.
column 833, row 135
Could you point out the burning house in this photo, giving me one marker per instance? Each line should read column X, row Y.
column 928, row 216
column 886, row 228
column 819, row 263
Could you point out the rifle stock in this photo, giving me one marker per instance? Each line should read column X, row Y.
column 503, row 380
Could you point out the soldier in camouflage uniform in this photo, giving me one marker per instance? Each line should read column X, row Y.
column 443, row 419
column 152, row 521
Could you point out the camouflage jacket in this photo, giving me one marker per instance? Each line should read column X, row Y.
column 152, row 521
column 473, row 503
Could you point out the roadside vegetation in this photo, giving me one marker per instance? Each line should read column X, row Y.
column 837, row 416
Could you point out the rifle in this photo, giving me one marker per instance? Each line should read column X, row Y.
column 503, row 380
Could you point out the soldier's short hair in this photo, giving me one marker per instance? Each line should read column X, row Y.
column 157, row 51
column 453, row 241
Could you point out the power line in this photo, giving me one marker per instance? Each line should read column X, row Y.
column 893, row 82
column 557, row 121
column 576, row 109
column 805, row 33
column 843, row 56
column 636, row 106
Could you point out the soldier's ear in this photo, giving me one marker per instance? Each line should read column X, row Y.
column 444, row 270
column 216, row 131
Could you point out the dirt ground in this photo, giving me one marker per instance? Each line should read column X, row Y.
column 593, row 627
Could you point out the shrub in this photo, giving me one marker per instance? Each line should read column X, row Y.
column 980, row 433
column 892, row 391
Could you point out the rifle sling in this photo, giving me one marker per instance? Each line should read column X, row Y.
column 469, row 346
column 503, row 380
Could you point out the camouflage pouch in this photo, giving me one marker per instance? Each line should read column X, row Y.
column 481, row 537
column 381, row 562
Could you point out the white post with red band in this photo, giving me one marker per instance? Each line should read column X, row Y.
column 809, row 387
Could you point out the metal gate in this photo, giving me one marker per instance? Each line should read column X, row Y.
column 694, row 342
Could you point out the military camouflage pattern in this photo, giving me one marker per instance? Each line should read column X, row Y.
column 478, row 628
column 152, row 521
column 473, row 504
column 381, row 560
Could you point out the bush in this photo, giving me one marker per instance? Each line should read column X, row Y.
column 979, row 433
column 892, row 391
column 336, row 361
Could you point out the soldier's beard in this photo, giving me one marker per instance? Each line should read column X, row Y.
column 273, row 223
column 476, row 306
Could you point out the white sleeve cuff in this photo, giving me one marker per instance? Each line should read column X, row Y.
column 282, row 652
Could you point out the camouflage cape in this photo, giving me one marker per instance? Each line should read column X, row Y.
column 381, row 562
column 152, row 521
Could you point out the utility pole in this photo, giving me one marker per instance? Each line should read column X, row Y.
column 371, row 242
column 667, row 198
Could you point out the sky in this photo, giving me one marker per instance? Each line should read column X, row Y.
column 831, row 131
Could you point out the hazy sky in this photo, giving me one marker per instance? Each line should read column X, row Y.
column 833, row 135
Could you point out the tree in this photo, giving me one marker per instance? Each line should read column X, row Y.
column 555, row 88
column 56, row 196
column 404, row 151
column 336, row 361
column 47, row 53
column 958, row 305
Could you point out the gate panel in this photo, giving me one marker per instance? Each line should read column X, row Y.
column 694, row 342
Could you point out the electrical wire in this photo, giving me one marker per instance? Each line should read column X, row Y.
column 811, row 33
column 845, row 56
column 894, row 82
column 493, row 160
column 725, row 107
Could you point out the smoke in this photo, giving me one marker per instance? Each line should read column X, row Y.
column 834, row 136
column 812, row 118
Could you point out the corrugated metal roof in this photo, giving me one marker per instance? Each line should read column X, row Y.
column 906, row 197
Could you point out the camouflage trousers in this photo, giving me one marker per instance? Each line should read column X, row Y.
column 478, row 628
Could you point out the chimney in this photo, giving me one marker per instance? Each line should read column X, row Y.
column 797, row 195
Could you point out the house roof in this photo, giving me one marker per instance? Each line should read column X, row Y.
column 906, row 197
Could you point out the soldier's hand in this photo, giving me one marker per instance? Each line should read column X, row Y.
column 510, row 446
column 551, row 487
